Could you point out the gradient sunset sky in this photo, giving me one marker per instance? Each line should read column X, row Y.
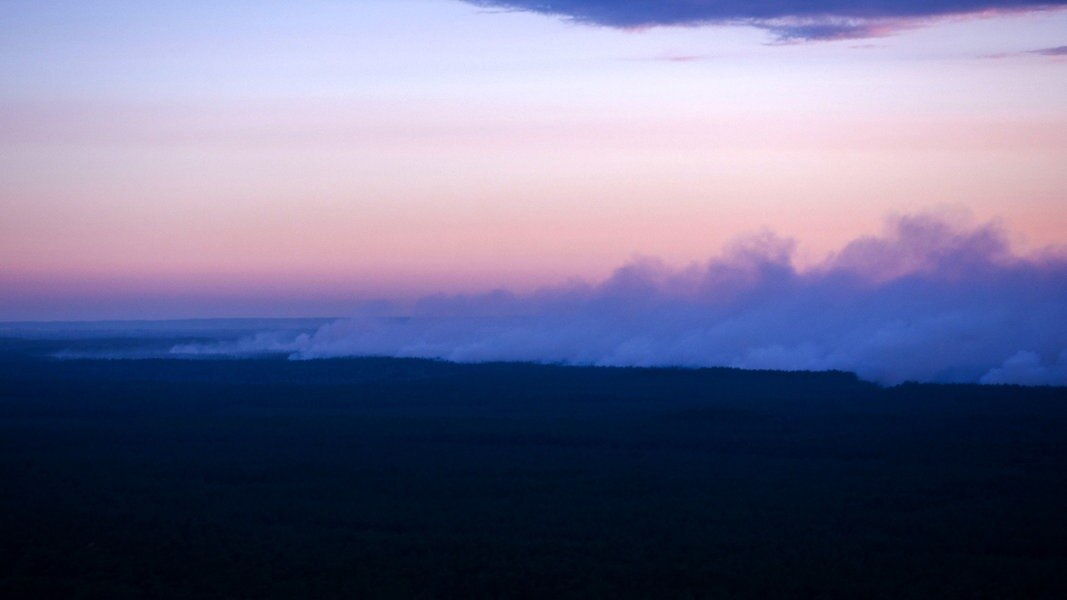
column 201, row 159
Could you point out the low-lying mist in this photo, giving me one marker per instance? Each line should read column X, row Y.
column 927, row 300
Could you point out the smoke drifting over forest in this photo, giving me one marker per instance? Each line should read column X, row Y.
column 927, row 300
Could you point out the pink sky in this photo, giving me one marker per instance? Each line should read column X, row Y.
column 341, row 153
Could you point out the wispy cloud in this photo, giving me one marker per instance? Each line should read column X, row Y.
column 1057, row 51
column 673, row 58
column 928, row 300
column 682, row 58
column 788, row 20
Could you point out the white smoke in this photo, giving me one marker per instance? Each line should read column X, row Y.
column 925, row 301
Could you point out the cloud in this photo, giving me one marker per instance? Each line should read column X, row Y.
column 927, row 300
column 1057, row 51
column 788, row 20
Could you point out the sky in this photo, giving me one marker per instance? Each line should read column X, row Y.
column 270, row 159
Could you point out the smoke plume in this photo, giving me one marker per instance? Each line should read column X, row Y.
column 925, row 301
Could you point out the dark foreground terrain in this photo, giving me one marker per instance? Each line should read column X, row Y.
column 400, row 478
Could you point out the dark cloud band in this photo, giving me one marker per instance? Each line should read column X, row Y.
column 1057, row 51
column 787, row 19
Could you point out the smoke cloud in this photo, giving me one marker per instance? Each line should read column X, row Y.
column 925, row 301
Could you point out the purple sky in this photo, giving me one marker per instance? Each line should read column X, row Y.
column 206, row 159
